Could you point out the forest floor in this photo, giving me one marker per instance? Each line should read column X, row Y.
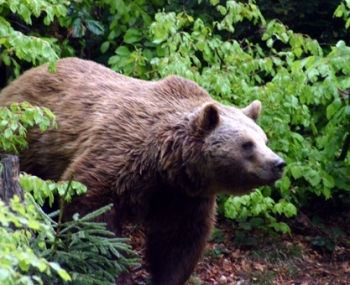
column 317, row 252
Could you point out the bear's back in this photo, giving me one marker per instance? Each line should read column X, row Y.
column 96, row 107
column 82, row 83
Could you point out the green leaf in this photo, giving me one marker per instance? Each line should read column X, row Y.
column 347, row 24
column 123, row 51
column 347, row 111
column 333, row 108
column 61, row 272
column 8, row 133
column 313, row 74
column 285, row 182
column 298, row 51
column 326, row 192
column 280, row 227
column 256, row 222
column 319, row 241
column 113, row 60
column 23, row 265
column 313, row 177
column 290, row 210
column 278, row 208
column 132, row 36
column 46, row 50
column 33, row 224
column 284, row 37
column 269, row 42
column 62, row 11
column 330, row 111
column 94, row 27
column 327, row 180
column 78, row 29
column 339, row 11
column 296, row 171
column 4, row 274
column 105, row 46
column 6, row 59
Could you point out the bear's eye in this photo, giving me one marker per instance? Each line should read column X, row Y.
column 248, row 146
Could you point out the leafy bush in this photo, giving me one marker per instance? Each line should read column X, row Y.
column 15, row 45
column 302, row 86
column 231, row 50
column 42, row 251
column 17, row 119
column 16, row 253
column 34, row 248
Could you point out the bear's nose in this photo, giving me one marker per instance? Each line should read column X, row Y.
column 279, row 165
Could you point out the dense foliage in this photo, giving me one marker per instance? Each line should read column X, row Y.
column 35, row 249
column 291, row 55
column 38, row 248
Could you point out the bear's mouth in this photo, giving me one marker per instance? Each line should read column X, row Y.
column 269, row 179
column 269, row 176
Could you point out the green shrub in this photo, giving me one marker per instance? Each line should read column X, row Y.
column 16, row 46
column 231, row 50
column 35, row 248
column 303, row 87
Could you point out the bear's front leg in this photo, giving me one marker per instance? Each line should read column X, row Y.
column 99, row 194
column 177, row 235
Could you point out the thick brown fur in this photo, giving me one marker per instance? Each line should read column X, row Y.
column 159, row 151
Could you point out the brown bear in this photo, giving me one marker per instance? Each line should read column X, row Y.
column 159, row 151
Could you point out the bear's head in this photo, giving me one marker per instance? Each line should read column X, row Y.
column 235, row 155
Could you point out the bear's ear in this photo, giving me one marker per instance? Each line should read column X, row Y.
column 208, row 117
column 253, row 110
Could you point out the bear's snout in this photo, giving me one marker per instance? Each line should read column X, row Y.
column 278, row 165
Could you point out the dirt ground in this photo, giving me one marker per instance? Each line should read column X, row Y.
column 317, row 252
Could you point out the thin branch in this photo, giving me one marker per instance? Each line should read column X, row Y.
column 345, row 149
column 60, row 217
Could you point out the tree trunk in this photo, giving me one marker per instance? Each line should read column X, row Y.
column 9, row 184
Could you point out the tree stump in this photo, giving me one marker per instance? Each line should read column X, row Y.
column 9, row 175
